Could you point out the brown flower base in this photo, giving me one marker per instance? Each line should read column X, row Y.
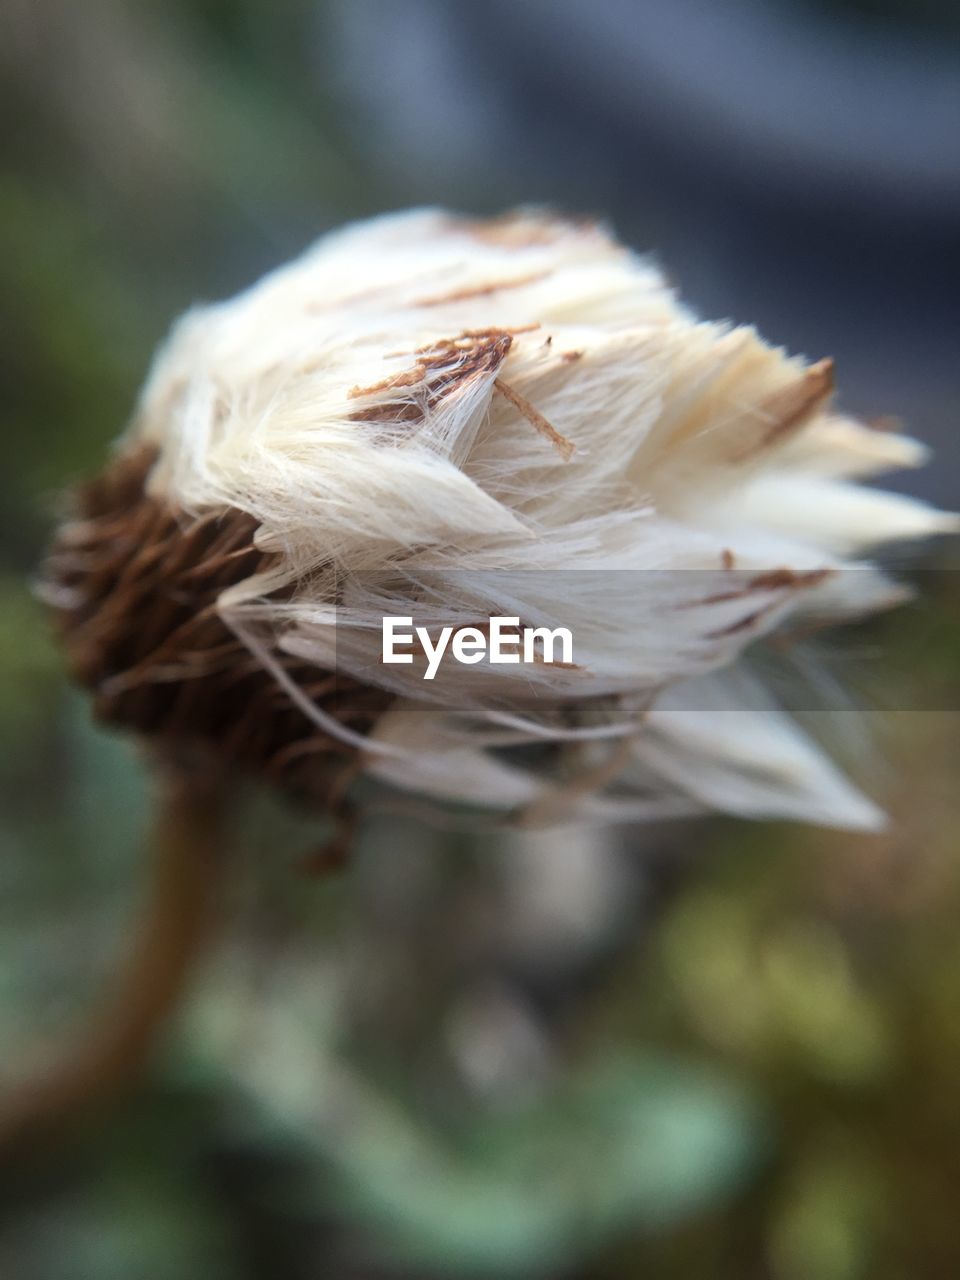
column 134, row 585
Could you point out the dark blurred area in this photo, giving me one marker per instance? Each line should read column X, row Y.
column 720, row 1050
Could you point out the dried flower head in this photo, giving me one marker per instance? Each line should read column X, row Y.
column 453, row 420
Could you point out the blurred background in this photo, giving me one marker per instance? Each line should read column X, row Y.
column 719, row 1050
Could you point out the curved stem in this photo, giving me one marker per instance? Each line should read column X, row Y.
column 186, row 864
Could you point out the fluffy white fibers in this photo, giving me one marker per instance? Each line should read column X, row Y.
column 451, row 420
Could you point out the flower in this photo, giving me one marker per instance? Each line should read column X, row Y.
column 452, row 420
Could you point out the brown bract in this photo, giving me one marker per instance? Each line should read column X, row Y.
column 521, row 230
column 447, row 368
column 440, row 370
column 134, row 585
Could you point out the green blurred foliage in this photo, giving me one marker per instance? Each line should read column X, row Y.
column 752, row 1070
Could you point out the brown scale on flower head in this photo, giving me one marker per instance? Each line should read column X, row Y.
column 446, row 368
column 777, row 580
column 134, row 585
column 469, row 293
column 522, row 229
column 440, row 370
column 792, row 407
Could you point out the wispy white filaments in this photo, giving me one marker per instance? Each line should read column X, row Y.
column 453, row 420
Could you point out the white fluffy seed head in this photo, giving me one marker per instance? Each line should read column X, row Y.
column 452, row 420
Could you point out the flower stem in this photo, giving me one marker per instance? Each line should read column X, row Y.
column 174, row 924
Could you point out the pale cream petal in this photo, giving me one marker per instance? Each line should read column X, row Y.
column 840, row 518
column 753, row 760
column 832, row 445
